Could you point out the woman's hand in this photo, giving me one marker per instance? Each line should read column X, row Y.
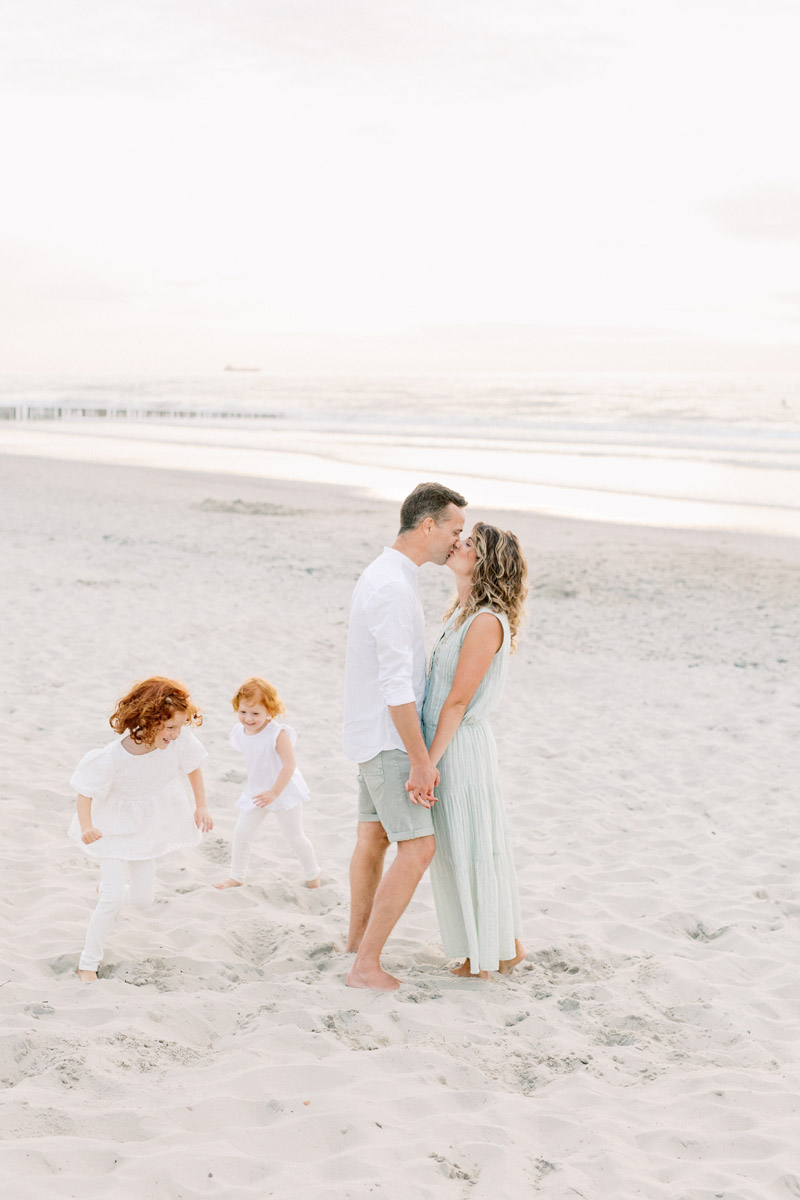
column 202, row 819
column 90, row 835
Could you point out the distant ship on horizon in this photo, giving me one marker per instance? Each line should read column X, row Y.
column 228, row 367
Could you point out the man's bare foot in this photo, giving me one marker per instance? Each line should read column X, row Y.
column 313, row 883
column 465, row 972
column 226, row 883
column 372, row 978
column 507, row 964
column 86, row 976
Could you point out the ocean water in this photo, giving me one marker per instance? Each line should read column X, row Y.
column 691, row 451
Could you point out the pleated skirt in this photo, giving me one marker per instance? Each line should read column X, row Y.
column 472, row 874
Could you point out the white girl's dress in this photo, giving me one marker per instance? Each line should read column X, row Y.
column 263, row 767
column 139, row 801
column 141, row 806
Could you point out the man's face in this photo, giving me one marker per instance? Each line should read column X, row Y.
column 443, row 537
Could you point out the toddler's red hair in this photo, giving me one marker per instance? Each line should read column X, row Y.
column 261, row 692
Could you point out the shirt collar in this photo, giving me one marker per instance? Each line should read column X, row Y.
column 405, row 562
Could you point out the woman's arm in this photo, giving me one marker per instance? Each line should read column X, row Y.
column 202, row 817
column 88, row 832
column 482, row 641
column 283, row 745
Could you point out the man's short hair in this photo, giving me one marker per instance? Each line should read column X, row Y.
column 428, row 500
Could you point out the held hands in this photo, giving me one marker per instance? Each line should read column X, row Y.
column 264, row 799
column 203, row 821
column 421, row 782
column 90, row 835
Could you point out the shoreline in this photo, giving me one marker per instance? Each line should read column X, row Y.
column 353, row 498
column 582, row 483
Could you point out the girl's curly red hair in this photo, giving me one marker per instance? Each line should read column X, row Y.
column 149, row 704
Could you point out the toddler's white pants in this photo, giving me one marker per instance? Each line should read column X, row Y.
column 113, row 893
column 291, row 826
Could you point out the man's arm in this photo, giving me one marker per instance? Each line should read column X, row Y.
column 423, row 776
column 390, row 619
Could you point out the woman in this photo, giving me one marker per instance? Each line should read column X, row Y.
column 472, row 874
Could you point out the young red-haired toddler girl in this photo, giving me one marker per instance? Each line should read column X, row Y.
column 133, row 805
column 274, row 784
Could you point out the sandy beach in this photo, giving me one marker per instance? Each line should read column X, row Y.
column 648, row 1047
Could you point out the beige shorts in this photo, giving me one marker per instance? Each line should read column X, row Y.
column 382, row 797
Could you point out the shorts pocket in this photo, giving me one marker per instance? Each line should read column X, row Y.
column 371, row 772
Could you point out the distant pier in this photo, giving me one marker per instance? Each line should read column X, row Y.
column 108, row 412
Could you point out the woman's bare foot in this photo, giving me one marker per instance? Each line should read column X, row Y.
column 226, row 883
column 86, row 976
column 507, row 964
column 465, row 972
column 372, row 978
column 313, row 883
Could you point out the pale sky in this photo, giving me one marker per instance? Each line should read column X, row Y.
column 325, row 185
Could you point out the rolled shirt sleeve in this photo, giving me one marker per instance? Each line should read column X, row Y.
column 385, row 657
column 391, row 621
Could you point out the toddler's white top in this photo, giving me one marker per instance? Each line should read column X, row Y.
column 264, row 765
column 140, row 802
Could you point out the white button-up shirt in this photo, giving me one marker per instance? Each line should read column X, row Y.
column 385, row 660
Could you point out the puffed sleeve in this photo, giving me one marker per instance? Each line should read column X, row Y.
column 279, row 729
column 191, row 752
column 94, row 774
column 233, row 737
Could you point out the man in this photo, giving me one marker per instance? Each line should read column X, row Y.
column 383, row 694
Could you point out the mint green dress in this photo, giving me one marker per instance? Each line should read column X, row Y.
column 472, row 873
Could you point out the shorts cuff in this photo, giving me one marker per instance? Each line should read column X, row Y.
column 406, row 836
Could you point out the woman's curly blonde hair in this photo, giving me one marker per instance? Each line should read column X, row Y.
column 149, row 705
column 499, row 580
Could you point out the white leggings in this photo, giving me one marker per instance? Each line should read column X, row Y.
column 291, row 826
column 113, row 893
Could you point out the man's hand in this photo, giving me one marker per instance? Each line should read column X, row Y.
column 421, row 782
column 423, row 776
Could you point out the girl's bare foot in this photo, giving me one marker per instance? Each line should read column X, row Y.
column 86, row 976
column 313, row 883
column 464, row 971
column 226, row 883
column 507, row 964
